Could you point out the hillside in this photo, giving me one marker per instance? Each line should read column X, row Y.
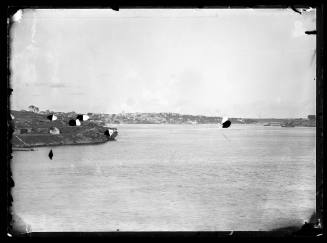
column 175, row 118
column 32, row 129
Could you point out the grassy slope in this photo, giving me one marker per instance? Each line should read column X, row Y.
column 87, row 133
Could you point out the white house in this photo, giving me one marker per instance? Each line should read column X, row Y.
column 54, row 131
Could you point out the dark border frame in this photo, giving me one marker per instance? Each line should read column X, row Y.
column 7, row 181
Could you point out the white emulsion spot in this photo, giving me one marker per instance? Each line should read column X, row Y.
column 18, row 16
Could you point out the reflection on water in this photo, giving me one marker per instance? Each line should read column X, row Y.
column 171, row 177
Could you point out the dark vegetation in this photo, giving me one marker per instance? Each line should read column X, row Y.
column 32, row 129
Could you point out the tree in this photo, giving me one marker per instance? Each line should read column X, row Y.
column 33, row 108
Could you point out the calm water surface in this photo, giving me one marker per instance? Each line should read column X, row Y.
column 171, row 177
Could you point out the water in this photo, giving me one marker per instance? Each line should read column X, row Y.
column 171, row 178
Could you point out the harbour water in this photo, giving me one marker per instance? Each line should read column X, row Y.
column 171, row 178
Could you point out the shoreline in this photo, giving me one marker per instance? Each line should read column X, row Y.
column 31, row 147
column 22, row 149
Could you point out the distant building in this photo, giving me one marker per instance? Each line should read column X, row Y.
column 273, row 124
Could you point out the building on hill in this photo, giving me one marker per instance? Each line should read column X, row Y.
column 54, row 131
column 52, row 117
column 273, row 123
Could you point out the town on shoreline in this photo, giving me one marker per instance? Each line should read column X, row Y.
column 33, row 128
column 173, row 118
column 176, row 118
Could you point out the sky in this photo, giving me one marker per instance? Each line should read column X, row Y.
column 250, row 63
